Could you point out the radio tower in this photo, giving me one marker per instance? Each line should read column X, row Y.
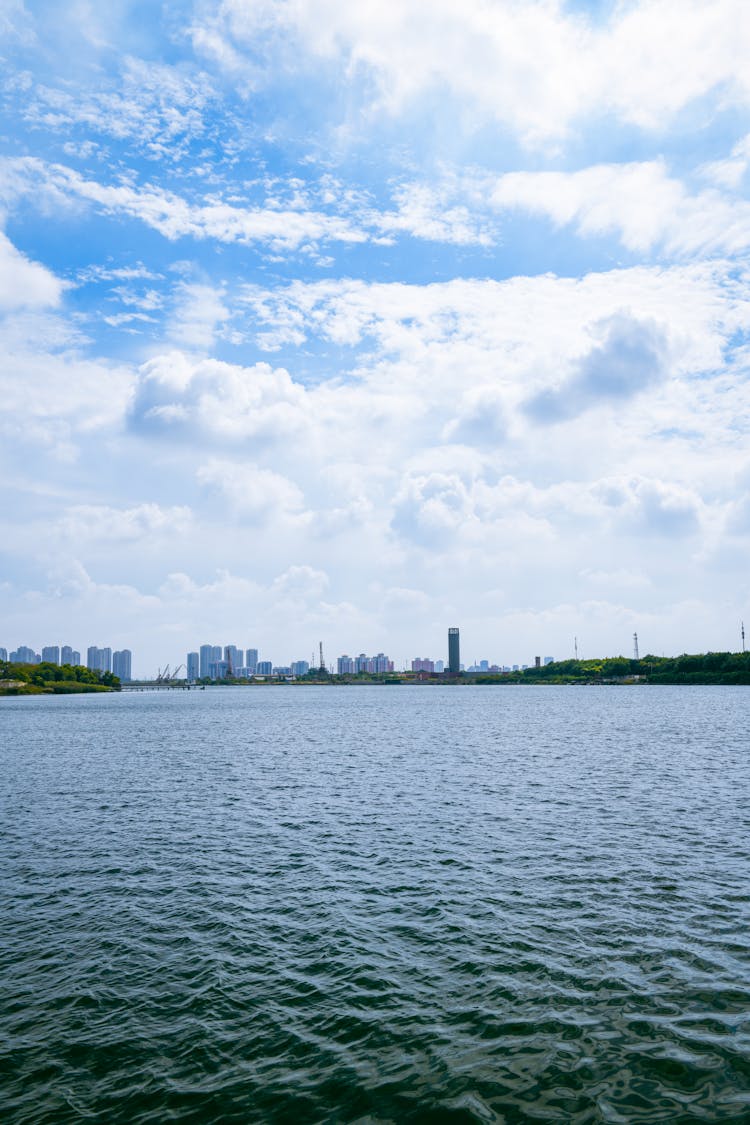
column 635, row 647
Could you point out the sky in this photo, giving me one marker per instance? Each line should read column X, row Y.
column 353, row 322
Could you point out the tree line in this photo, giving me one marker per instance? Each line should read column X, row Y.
column 61, row 679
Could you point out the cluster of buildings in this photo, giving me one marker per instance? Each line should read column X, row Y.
column 97, row 659
column 352, row 665
column 214, row 662
column 217, row 662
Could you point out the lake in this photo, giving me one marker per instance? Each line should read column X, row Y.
column 376, row 904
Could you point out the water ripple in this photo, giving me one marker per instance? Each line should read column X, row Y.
column 421, row 905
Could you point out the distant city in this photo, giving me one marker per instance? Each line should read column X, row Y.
column 223, row 662
column 119, row 663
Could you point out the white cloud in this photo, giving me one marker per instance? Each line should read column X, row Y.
column 651, row 506
column 52, row 400
column 729, row 172
column 255, row 494
column 639, row 203
column 199, row 314
column 23, row 283
column 631, row 356
column 286, row 221
column 436, row 213
column 182, row 395
column 535, row 67
column 300, row 583
column 158, row 108
column 466, row 333
column 122, row 525
column 174, row 216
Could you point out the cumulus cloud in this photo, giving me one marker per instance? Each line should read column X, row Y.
column 468, row 328
column 431, row 507
column 255, row 494
column 52, row 398
column 480, row 419
column 300, row 583
column 177, row 394
column 652, row 506
column 631, row 357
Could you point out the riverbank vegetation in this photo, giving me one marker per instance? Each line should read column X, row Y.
column 53, row 679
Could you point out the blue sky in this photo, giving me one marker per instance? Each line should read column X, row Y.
column 354, row 322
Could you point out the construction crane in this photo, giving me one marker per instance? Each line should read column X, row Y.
column 166, row 676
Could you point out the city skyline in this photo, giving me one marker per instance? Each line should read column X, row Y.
column 322, row 323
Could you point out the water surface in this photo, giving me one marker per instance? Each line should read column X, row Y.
column 407, row 904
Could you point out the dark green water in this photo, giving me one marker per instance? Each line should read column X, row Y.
column 373, row 904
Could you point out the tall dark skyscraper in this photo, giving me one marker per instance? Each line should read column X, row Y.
column 454, row 652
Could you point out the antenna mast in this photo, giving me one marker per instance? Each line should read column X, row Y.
column 575, row 646
column 635, row 647
column 742, row 630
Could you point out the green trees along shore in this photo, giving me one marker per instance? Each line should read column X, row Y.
column 700, row 668
column 53, row 679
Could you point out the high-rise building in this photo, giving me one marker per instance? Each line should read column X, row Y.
column 440, row 666
column 193, row 667
column 206, row 656
column 251, row 660
column 422, row 664
column 76, row 660
column 549, row 660
column 300, row 667
column 3, row 654
column 99, row 659
column 66, row 655
column 454, row 652
column 345, row 666
column 264, row 668
column 218, row 669
column 51, row 654
column 25, row 655
column 233, row 657
column 121, row 665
